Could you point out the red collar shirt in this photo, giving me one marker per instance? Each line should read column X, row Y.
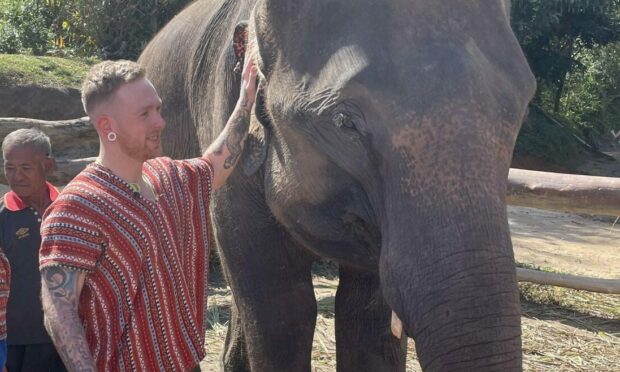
column 20, row 241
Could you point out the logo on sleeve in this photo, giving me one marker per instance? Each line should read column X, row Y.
column 22, row 233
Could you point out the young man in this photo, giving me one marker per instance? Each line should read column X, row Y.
column 27, row 164
column 125, row 246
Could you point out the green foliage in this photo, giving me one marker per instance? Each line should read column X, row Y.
column 122, row 28
column 542, row 138
column 555, row 34
column 109, row 29
column 592, row 98
column 24, row 27
column 573, row 48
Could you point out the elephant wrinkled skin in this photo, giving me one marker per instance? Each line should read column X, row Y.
column 381, row 140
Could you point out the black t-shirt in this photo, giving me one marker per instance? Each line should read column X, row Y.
column 20, row 240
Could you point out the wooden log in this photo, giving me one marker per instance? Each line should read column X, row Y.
column 569, row 281
column 564, row 192
column 66, row 169
column 71, row 139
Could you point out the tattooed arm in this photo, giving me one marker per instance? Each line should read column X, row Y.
column 60, row 294
column 225, row 151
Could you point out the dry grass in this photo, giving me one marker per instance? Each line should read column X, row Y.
column 569, row 330
column 563, row 329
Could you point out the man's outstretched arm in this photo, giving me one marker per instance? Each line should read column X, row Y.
column 60, row 294
column 225, row 151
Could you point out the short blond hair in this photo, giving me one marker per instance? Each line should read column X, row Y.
column 104, row 79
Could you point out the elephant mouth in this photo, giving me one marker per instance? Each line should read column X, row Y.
column 362, row 230
column 343, row 232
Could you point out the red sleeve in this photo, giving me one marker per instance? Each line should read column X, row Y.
column 199, row 172
column 69, row 238
column 5, row 285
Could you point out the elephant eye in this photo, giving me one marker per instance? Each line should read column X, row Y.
column 342, row 119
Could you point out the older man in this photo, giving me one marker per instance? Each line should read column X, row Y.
column 125, row 246
column 27, row 163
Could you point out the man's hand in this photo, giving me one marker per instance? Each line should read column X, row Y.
column 248, row 85
column 224, row 152
column 60, row 294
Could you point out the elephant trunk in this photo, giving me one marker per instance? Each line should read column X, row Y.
column 447, row 269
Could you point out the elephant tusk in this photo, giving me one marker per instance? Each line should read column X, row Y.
column 397, row 326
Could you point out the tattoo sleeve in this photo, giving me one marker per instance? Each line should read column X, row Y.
column 228, row 147
column 238, row 131
column 60, row 292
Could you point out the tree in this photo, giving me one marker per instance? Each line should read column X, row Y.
column 554, row 35
column 120, row 28
column 108, row 29
column 592, row 97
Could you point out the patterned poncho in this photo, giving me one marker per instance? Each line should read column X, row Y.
column 143, row 304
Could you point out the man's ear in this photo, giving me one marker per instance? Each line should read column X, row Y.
column 240, row 43
column 102, row 124
column 49, row 165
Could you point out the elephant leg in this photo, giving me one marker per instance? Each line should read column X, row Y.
column 273, row 323
column 274, row 326
column 234, row 355
column 364, row 341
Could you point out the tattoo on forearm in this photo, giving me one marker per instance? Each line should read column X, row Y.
column 233, row 136
column 59, row 295
column 238, row 130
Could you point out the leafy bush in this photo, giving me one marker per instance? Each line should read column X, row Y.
column 10, row 40
column 109, row 29
column 542, row 138
column 593, row 95
column 24, row 27
column 573, row 47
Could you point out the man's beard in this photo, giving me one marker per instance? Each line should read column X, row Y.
column 140, row 153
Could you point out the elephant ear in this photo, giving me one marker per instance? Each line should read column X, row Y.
column 240, row 42
column 255, row 151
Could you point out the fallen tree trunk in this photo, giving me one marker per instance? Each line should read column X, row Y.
column 569, row 281
column 67, row 169
column 71, row 139
column 564, row 192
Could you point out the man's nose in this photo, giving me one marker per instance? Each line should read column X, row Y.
column 16, row 175
column 159, row 121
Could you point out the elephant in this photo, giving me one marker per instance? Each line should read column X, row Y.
column 381, row 140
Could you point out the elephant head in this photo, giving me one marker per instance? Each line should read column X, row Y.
column 386, row 130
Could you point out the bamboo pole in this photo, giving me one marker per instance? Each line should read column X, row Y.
column 564, row 192
column 569, row 281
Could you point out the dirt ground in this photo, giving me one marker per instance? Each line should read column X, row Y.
column 563, row 329
column 565, row 242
